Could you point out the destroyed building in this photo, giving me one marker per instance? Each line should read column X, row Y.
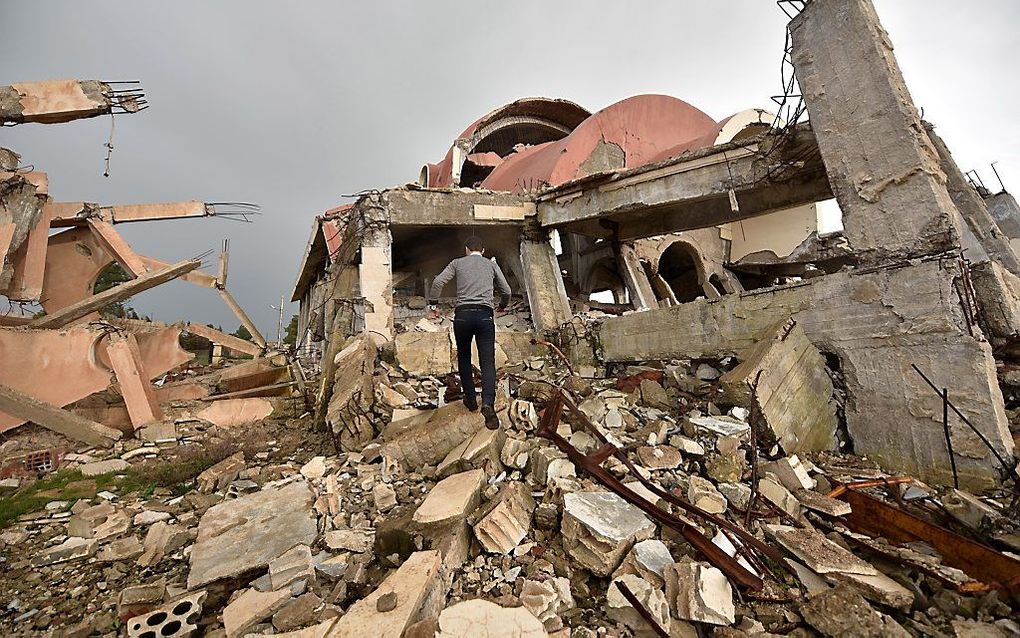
column 721, row 413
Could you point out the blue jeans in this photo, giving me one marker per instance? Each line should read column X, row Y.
column 477, row 322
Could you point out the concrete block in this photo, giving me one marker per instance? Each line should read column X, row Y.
column 177, row 619
column 483, row 619
column 251, row 608
column 699, row 592
column 452, row 498
column 506, row 520
column 599, row 528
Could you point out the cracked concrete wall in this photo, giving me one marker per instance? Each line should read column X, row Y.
column 884, row 170
column 878, row 323
column 21, row 204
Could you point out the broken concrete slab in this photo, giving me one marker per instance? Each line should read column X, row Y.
column 294, row 564
column 160, row 540
column 818, row 552
column 219, row 476
column 101, row 522
column 250, row 608
column 841, row 611
column 297, row 613
column 71, row 549
column 647, row 559
column 483, row 619
column 98, row 468
column 232, row 413
column 121, row 549
column 424, row 353
column 821, row 503
column 452, row 498
column 246, row 533
column 481, row 450
column 790, row 472
column 506, row 519
column 699, row 592
column 415, row 583
column 619, row 609
column 51, row 417
column 599, row 528
column 877, row 588
column 428, row 443
column 772, row 490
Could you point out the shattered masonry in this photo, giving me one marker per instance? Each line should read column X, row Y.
column 716, row 418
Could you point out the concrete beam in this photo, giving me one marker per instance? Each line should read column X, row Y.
column 882, row 166
column 119, row 249
column 461, row 207
column 68, row 214
column 543, row 281
column 690, row 192
column 30, row 261
column 234, row 343
column 878, row 323
column 91, row 304
column 642, row 296
column 58, row 101
column 126, row 360
column 53, row 418
column 242, row 316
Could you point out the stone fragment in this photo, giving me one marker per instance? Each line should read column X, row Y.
column 98, row 468
column 549, row 463
column 737, row 494
column 315, row 468
column 877, row 588
column 546, row 600
column 454, row 497
column 660, row 457
column 294, row 564
column 780, row 496
column 648, row 559
column 687, row 445
column 125, row 548
column 246, row 533
column 321, row 630
column 416, row 585
column 297, row 613
column 100, row 522
column 699, row 592
column 654, row 395
column 619, row 609
column 160, row 540
column 352, row 540
column 483, row 619
column 176, row 619
column 72, row 548
column 250, row 608
column 480, row 450
column 970, row 510
column 818, row 552
column 722, row 425
column 702, row 493
column 821, row 503
column 599, row 528
column 384, row 497
column 386, row 602
column 219, row 476
column 791, row 473
column 139, row 599
column 515, row 454
column 148, row 517
column 424, row 353
column 506, row 519
column 706, row 372
column 841, row 611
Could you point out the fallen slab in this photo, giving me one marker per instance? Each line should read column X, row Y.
column 700, row 592
column 232, row 413
column 506, row 520
column 452, row 498
column 599, row 528
column 483, row 619
column 246, row 533
column 57, row 419
column 428, row 443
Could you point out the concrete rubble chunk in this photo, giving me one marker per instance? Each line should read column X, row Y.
column 791, row 473
column 549, row 464
column 247, row 533
column 98, row 468
column 648, row 559
column 970, row 510
column 101, row 522
column 699, row 592
column 72, row 548
column 660, row 457
column 321, row 630
column 515, row 454
column 481, row 450
column 877, row 588
column 452, row 498
column 721, row 425
column 821, row 503
column 619, row 609
column 794, row 389
column 384, row 497
column 415, row 583
column 315, row 468
column 547, row 599
column 841, row 611
column 297, row 613
column 250, row 608
column 506, row 520
column 702, row 493
column 483, row 619
column 428, row 442
column 353, row 540
column 148, row 517
column 125, row 548
column 176, row 619
column 599, row 528
column 776, row 493
column 818, row 552
column 219, row 476
column 162, row 539
column 292, row 565
column 139, row 598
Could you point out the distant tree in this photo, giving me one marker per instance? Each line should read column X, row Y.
column 291, row 337
column 113, row 275
column 243, row 333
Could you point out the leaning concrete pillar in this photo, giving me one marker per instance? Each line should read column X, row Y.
column 375, row 276
column 973, row 209
column 139, row 397
column 634, row 276
column 543, row 282
column 881, row 165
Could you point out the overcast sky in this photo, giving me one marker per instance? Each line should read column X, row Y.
column 293, row 104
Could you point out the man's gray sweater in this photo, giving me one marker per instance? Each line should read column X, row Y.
column 475, row 276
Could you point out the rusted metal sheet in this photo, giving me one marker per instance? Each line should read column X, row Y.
column 875, row 518
column 592, row 464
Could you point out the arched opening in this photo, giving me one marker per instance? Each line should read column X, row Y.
column 679, row 267
column 113, row 275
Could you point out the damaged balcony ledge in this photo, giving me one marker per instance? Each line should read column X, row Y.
column 452, row 207
column 878, row 323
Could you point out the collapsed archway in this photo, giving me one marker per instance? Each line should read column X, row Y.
column 680, row 266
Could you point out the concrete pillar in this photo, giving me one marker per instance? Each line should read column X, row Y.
column 135, row 387
column 882, row 167
column 642, row 296
column 973, row 209
column 217, row 354
column 375, row 276
column 543, row 283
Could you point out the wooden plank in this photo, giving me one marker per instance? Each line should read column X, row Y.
column 57, row 419
column 91, row 304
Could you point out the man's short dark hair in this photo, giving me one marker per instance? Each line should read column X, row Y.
column 474, row 244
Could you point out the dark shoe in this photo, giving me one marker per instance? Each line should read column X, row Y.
column 491, row 420
column 472, row 406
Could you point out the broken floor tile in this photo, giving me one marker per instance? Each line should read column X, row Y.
column 700, row 592
column 599, row 528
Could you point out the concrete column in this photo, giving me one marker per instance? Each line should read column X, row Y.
column 634, row 276
column 882, row 167
column 973, row 208
column 126, row 359
column 375, row 275
column 543, row 284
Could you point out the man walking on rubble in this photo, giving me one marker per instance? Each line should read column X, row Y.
column 474, row 317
